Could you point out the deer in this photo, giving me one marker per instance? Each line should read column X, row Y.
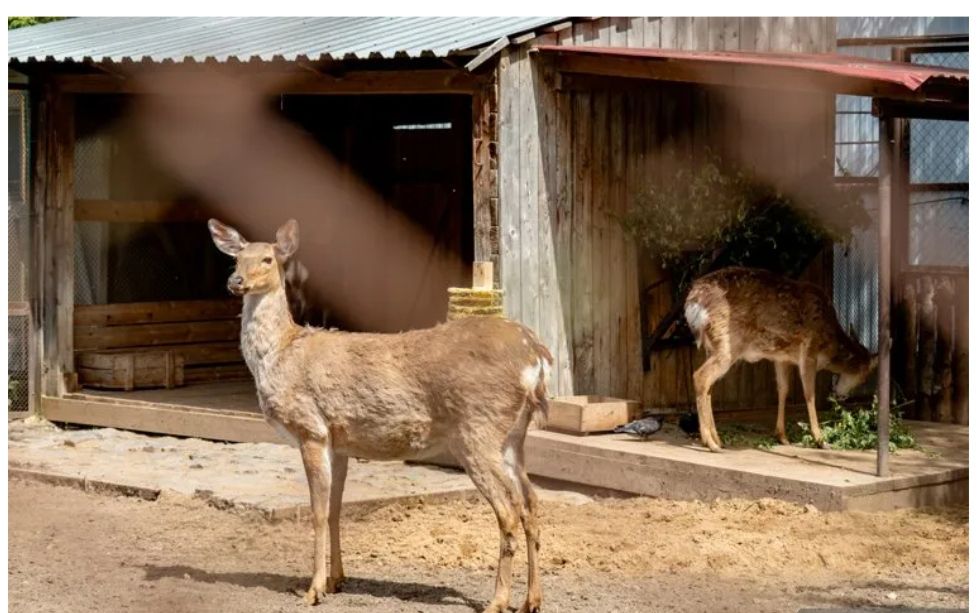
column 750, row 314
column 471, row 387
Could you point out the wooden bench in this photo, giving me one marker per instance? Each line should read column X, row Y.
column 158, row 344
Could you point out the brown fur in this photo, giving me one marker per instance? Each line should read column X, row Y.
column 749, row 314
column 470, row 387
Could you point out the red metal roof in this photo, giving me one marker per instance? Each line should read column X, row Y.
column 910, row 76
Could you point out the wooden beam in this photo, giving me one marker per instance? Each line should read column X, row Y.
column 737, row 75
column 926, row 109
column 132, row 313
column 55, row 180
column 495, row 48
column 237, row 426
column 299, row 81
column 558, row 27
column 886, row 139
column 889, row 41
column 485, row 173
column 138, row 211
column 523, row 38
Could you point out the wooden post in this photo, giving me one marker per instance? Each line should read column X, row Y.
column 900, row 175
column 482, row 275
column 54, row 187
column 886, row 135
column 485, row 196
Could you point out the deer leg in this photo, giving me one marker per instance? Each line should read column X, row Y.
column 529, row 519
column 705, row 376
column 808, row 375
column 782, row 389
column 486, row 469
column 338, row 477
column 316, row 457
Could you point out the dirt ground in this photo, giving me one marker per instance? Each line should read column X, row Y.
column 75, row 551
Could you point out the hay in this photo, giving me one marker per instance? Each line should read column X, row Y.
column 469, row 302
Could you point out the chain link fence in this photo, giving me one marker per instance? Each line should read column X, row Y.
column 18, row 255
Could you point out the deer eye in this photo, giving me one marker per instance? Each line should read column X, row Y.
column 267, row 260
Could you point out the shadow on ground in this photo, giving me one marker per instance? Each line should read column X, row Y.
column 409, row 592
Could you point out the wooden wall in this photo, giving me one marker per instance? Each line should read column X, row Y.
column 571, row 156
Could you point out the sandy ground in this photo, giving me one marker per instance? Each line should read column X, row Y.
column 75, row 551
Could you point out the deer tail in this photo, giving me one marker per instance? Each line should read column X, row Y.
column 697, row 319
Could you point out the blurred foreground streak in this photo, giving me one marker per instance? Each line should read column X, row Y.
column 220, row 137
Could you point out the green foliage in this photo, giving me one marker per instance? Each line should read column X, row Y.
column 857, row 428
column 746, row 435
column 712, row 216
column 22, row 22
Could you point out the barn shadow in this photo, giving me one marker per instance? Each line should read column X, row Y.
column 419, row 593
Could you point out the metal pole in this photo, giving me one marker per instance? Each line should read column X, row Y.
column 886, row 137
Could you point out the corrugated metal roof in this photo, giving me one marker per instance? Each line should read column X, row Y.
column 911, row 76
column 120, row 39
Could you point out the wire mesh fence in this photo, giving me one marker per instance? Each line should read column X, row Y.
column 938, row 197
column 18, row 362
column 18, row 255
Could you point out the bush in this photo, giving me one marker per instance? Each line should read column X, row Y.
column 709, row 217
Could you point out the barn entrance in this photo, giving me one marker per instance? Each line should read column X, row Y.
column 154, row 327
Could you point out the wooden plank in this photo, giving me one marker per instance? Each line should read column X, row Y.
column 221, row 352
column 131, row 313
column 216, row 372
column 562, row 379
column 509, row 177
column 56, row 143
column 98, row 337
column 138, row 211
column 621, row 301
column 544, row 202
column 651, row 32
column 600, row 242
column 484, row 167
column 582, row 246
column 528, row 169
column 487, row 53
column 237, row 426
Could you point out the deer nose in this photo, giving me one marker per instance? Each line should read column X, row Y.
column 236, row 284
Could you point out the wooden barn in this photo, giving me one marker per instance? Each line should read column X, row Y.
column 518, row 141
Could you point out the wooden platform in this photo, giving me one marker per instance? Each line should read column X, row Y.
column 669, row 466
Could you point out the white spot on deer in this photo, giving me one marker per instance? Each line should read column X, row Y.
column 524, row 341
column 530, row 376
column 697, row 318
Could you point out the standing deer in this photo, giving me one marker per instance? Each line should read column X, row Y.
column 471, row 387
column 749, row 314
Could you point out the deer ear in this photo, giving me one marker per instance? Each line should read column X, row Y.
column 287, row 240
column 226, row 238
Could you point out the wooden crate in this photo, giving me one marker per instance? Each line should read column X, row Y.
column 129, row 370
column 587, row 414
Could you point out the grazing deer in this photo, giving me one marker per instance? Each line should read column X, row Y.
column 749, row 314
column 470, row 387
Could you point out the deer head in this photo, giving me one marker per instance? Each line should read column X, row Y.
column 258, row 266
column 850, row 379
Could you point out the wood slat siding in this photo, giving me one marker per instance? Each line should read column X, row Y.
column 570, row 160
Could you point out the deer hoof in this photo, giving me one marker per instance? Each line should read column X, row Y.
column 824, row 445
column 313, row 596
column 782, row 439
column 531, row 608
